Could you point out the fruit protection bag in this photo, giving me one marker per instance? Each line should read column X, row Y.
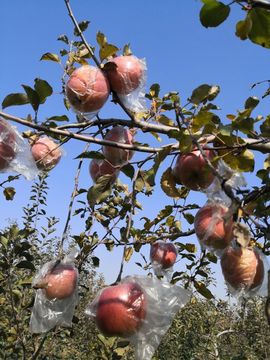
column 56, row 296
column 245, row 271
column 213, row 225
column 235, row 180
column 15, row 153
column 87, row 91
column 134, row 99
column 163, row 256
column 139, row 309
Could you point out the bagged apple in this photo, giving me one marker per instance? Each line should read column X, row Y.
column 87, row 90
column 56, row 296
column 163, row 256
column 213, row 226
column 244, row 270
column 127, row 77
column 139, row 309
column 46, row 153
column 15, row 153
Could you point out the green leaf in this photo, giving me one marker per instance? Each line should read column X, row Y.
column 32, row 96
column 151, row 173
column 154, row 90
column 58, row 118
column 43, row 88
column 128, row 253
column 212, row 257
column 4, row 241
column 203, row 93
column 15, row 99
column 63, row 38
column 95, row 261
column 213, row 13
column 242, row 162
column 9, row 193
column 83, row 25
column 107, row 50
column 90, row 155
column 189, row 217
column 100, row 190
column 50, row 57
column 251, row 102
column 128, row 170
column 260, row 31
column 164, row 120
column 203, row 118
column 127, row 50
column 168, row 184
column 101, row 39
column 243, row 28
column 202, row 289
column 26, row 265
column 266, row 163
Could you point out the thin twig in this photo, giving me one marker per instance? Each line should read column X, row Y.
column 73, row 195
column 37, row 352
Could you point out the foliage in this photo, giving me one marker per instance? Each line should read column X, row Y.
column 112, row 214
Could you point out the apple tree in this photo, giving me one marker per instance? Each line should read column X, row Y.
column 200, row 153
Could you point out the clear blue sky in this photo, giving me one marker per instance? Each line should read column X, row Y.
column 180, row 55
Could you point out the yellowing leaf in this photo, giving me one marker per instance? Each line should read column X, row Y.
column 168, row 185
column 128, row 253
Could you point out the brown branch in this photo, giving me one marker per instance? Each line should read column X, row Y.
column 80, row 33
column 88, row 139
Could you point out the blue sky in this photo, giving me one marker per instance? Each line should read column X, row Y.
column 180, row 55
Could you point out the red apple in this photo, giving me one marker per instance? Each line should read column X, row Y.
column 46, row 153
column 7, row 144
column 163, row 253
column 126, row 75
column 192, row 171
column 87, row 89
column 242, row 268
column 115, row 155
column 120, row 309
column 98, row 168
column 59, row 283
column 213, row 225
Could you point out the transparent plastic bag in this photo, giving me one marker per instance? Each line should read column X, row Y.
column 56, row 296
column 127, row 77
column 235, row 180
column 213, row 226
column 135, row 100
column 15, row 152
column 139, row 309
column 46, row 153
column 245, row 271
column 87, row 91
column 163, row 256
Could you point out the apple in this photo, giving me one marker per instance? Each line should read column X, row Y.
column 7, row 144
column 213, row 225
column 87, row 89
column 98, row 168
column 125, row 74
column 60, row 282
column 46, row 153
column 192, row 171
column 163, row 253
column 115, row 155
column 242, row 268
column 120, row 309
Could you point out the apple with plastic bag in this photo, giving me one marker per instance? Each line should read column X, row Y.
column 139, row 309
column 56, row 296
